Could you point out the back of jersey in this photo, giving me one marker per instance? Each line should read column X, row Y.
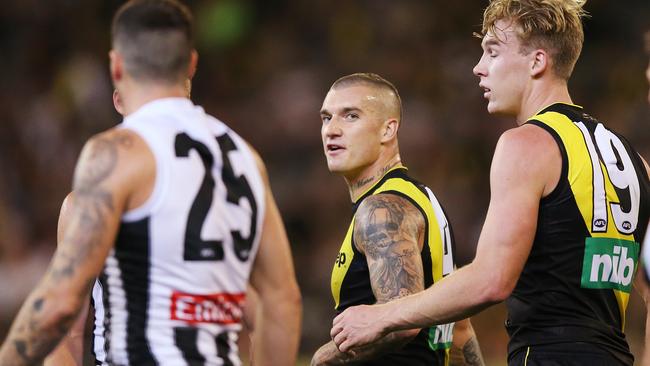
column 173, row 287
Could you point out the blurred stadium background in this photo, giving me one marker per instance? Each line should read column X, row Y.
column 264, row 68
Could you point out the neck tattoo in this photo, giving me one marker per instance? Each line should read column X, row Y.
column 362, row 182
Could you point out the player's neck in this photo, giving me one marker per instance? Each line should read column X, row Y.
column 359, row 183
column 136, row 96
column 542, row 96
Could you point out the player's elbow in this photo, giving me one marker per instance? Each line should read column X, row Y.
column 293, row 296
column 497, row 291
column 492, row 285
column 66, row 306
column 58, row 308
column 288, row 296
column 406, row 336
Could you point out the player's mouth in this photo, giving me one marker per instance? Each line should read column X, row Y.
column 334, row 149
column 486, row 91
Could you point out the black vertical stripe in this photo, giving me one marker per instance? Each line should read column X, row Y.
column 132, row 252
column 93, row 307
column 186, row 339
column 223, row 348
column 103, row 284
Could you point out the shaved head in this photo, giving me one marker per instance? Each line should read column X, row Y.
column 387, row 95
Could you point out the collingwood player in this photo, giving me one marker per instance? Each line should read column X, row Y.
column 172, row 212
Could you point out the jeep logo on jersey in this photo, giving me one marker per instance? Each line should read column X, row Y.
column 223, row 308
column 609, row 264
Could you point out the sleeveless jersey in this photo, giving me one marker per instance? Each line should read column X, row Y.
column 172, row 288
column 577, row 280
column 351, row 281
column 646, row 255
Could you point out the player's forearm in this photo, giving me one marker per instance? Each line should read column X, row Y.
column 38, row 328
column 646, row 350
column 70, row 350
column 469, row 354
column 459, row 295
column 277, row 332
column 62, row 356
column 329, row 355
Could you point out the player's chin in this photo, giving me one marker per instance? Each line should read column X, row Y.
column 493, row 108
column 335, row 167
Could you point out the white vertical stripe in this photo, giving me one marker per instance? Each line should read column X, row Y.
column 445, row 234
column 599, row 220
column 99, row 342
column 646, row 252
column 117, row 303
column 234, row 350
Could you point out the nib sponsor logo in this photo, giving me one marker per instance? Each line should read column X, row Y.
column 609, row 264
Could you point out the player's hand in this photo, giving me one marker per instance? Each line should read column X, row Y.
column 358, row 326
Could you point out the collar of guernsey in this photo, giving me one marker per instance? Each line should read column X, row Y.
column 369, row 191
column 541, row 111
column 161, row 105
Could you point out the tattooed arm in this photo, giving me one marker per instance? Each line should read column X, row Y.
column 465, row 349
column 70, row 350
column 389, row 230
column 109, row 166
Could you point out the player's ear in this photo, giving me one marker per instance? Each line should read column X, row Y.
column 117, row 102
column 116, row 66
column 538, row 63
column 389, row 131
column 194, row 59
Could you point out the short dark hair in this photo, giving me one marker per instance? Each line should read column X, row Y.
column 373, row 80
column 155, row 39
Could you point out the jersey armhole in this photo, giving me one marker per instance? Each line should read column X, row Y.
column 154, row 200
column 562, row 183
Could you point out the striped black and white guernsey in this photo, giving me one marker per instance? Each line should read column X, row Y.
column 172, row 289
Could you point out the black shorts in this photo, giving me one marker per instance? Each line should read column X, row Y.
column 565, row 354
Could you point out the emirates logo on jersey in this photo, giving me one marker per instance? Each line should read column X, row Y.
column 222, row 308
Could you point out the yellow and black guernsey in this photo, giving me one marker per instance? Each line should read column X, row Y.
column 576, row 283
column 351, row 281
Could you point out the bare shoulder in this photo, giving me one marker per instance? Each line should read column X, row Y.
column 645, row 164
column 530, row 154
column 115, row 158
column 259, row 162
column 527, row 141
column 385, row 219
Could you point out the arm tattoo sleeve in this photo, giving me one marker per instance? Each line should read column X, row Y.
column 387, row 229
column 36, row 330
column 472, row 353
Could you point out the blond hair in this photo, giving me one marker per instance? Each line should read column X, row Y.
column 552, row 25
